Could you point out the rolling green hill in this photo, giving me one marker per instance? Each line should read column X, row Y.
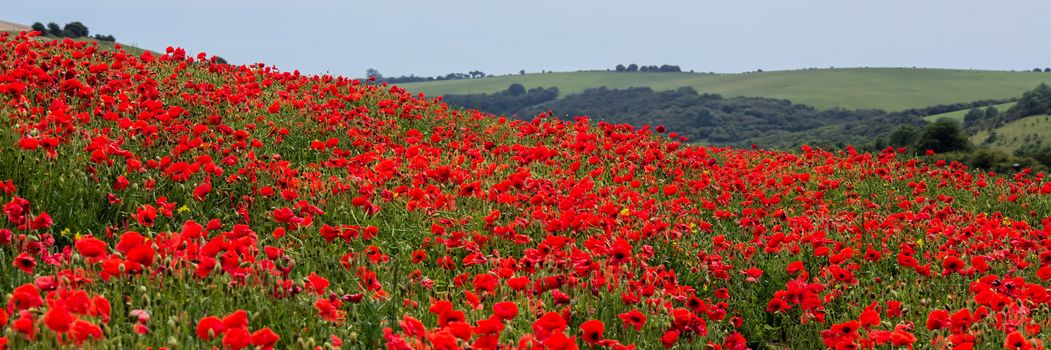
column 890, row 89
column 958, row 115
column 1014, row 134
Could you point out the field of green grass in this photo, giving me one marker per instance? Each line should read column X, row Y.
column 891, row 89
column 958, row 115
column 1013, row 135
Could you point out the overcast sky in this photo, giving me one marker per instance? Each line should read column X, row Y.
column 498, row 37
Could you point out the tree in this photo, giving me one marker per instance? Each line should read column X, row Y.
column 75, row 30
column 40, row 28
column 942, row 136
column 991, row 112
column 633, row 67
column 669, row 68
column 972, row 116
column 516, row 89
column 904, row 136
column 54, row 30
column 621, row 68
column 373, row 73
column 521, row 72
column 988, row 158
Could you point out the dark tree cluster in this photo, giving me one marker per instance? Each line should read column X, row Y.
column 1045, row 70
column 70, row 30
column 506, row 102
column 710, row 118
column 664, row 68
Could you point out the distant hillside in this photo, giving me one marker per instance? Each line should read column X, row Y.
column 890, row 89
column 12, row 27
column 958, row 115
column 1031, row 130
column 6, row 26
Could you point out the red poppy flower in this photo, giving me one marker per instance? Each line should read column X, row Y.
column 317, row 284
column 937, row 319
column 28, row 143
column 236, row 319
column 146, row 215
column 549, row 323
column 25, row 324
column 26, row 296
column 25, row 262
column 592, row 331
column 869, row 317
column 42, row 221
column 634, row 319
column 202, row 190
column 265, row 338
column 894, row 308
column 90, row 247
column 209, row 328
column 328, row 310
column 236, row 338
column 58, row 319
column 560, row 341
column 505, row 310
column 83, row 331
column 669, row 338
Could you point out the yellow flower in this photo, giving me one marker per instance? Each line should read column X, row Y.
column 625, row 212
column 65, row 232
column 183, row 209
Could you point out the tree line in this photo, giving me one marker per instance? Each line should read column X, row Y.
column 664, row 68
column 375, row 74
column 507, row 102
column 73, row 29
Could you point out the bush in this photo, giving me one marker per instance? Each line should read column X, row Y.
column 943, row 136
column 54, row 30
column 75, row 30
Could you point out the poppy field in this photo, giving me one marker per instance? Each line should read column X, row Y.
column 168, row 201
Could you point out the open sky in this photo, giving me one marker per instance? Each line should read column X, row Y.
column 499, row 37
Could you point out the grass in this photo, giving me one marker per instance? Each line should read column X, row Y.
column 1013, row 135
column 958, row 115
column 890, row 89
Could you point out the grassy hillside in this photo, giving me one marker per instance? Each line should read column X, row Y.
column 885, row 88
column 14, row 28
column 1013, row 135
column 958, row 115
